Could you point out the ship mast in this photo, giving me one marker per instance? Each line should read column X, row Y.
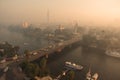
column 88, row 75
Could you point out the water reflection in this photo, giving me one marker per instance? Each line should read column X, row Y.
column 107, row 67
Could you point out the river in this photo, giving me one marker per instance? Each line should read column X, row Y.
column 107, row 67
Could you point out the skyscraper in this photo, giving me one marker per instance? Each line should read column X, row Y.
column 75, row 28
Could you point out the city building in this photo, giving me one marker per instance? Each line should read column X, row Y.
column 25, row 25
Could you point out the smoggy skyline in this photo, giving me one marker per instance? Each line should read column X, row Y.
column 86, row 12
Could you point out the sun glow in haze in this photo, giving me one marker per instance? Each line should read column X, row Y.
column 88, row 12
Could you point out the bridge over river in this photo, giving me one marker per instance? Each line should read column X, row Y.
column 43, row 52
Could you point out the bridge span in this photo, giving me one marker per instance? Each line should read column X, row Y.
column 42, row 52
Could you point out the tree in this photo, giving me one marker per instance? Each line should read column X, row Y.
column 27, row 54
column 43, row 63
column 70, row 75
column 16, row 49
column 24, row 65
column 43, row 66
column 30, row 69
column 37, row 69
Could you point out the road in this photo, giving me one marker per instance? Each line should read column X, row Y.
column 13, row 68
column 41, row 53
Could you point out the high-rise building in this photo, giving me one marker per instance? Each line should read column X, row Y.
column 75, row 28
column 61, row 28
column 25, row 25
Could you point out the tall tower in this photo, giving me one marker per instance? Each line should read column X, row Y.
column 48, row 16
column 75, row 28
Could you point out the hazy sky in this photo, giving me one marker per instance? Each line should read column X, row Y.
column 88, row 12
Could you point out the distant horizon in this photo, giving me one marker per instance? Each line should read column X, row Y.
column 85, row 12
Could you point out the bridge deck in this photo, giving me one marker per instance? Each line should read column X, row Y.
column 40, row 53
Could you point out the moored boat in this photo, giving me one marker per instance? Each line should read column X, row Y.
column 113, row 53
column 90, row 77
column 73, row 66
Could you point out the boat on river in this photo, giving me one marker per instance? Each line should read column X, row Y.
column 73, row 66
column 90, row 77
column 113, row 53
